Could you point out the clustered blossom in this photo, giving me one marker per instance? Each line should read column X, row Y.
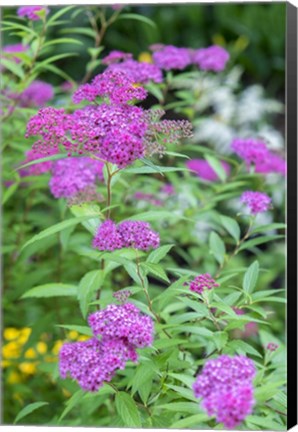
column 170, row 57
column 36, row 169
column 213, row 58
column 122, row 296
column 139, row 72
column 30, row 12
column 225, row 384
column 118, row 330
column 116, row 56
column 74, row 175
column 127, row 234
column 37, row 94
column 115, row 85
column 272, row 346
column 204, row 170
column 255, row 152
column 202, row 282
column 257, row 202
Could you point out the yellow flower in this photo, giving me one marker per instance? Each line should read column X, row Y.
column 5, row 363
column 50, row 359
column 11, row 333
column 57, row 346
column 24, row 335
column 66, row 393
column 72, row 334
column 30, row 353
column 41, row 347
column 28, row 368
column 11, row 350
column 14, row 378
column 145, row 57
column 83, row 338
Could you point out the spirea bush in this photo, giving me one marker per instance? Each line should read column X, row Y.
column 144, row 258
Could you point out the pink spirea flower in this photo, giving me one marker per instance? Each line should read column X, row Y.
column 124, row 322
column 122, row 296
column 73, row 175
column 168, row 189
column 273, row 163
column 36, row 169
column 204, row 170
column 213, row 58
column 139, row 72
column 30, row 12
column 257, row 202
column 250, row 329
column 170, row 57
column 37, row 94
column 127, row 234
column 202, row 282
column 271, row 346
column 117, row 86
column 225, row 384
column 252, row 151
column 16, row 48
column 116, row 56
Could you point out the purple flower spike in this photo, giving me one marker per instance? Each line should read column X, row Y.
column 257, row 202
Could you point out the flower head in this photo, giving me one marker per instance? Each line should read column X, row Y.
column 257, row 202
column 139, row 72
column 225, row 384
column 115, row 57
column 213, row 58
column 170, row 57
column 37, row 94
column 204, row 170
column 30, row 12
column 202, row 282
column 36, row 169
column 271, row 346
column 252, row 151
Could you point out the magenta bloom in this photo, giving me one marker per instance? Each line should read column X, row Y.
column 213, row 58
column 203, row 170
column 272, row 346
column 117, row 86
column 35, row 169
column 16, row 48
column 202, row 282
column 250, row 329
column 37, row 94
column 116, row 56
column 252, row 151
column 127, row 234
column 73, row 175
column 170, row 57
column 225, row 384
column 168, row 189
column 257, row 202
column 272, row 164
column 139, row 72
column 30, row 12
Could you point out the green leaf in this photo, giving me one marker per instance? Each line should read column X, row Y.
column 71, row 403
column 187, row 407
column 127, row 409
column 260, row 240
column 136, row 17
column 44, row 159
column 58, row 14
column 56, row 228
column 143, row 378
column 28, row 410
column 156, row 215
column 269, row 227
column 242, row 347
column 81, row 30
column 150, row 170
column 200, row 308
column 13, row 67
column 231, row 226
column 63, row 41
column 220, row 339
column 156, row 270
column 91, row 282
column 52, row 290
column 265, row 423
column 197, row 420
column 217, row 167
column 91, row 212
column 251, row 277
column 9, row 192
column 158, row 254
column 80, row 329
column 217, row 247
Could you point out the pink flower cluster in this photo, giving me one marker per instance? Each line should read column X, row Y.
column 117, row 86
column 257, row 202
column 202, row 282
column 169, row 57
column 121, row 329
column 271, row 346
column 139, row 72
column 36, row 95
column 256, row 152
column 30, row 12
column 203, row 169
column 127, row 234
column 116, row 56
column 213, row 58
column 74, row 175
column 225, row 384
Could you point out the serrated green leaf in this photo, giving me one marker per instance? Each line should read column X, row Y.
column 217, row 247
column 91, row 282
column 251, row 277
column 231, row 226
column 158, row 254
column 258, row 241
column 156, row 270
column 127, row 409
column 28, row 410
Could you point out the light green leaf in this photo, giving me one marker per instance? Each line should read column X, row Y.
column 156, row 270
column 52, row 290
column 251, row 277
column 28, row 410
column 260, row 240
column 13, row 67
column 91, row 282
column 150, row 170
column 217, row 167
column 231, row 226
column 80, row 329
column 197, row 420
column 269, row 227
column 217, row 247
column 71, row 403
column 127, row 409
column 136, row 17
column 187, row 407
column 158, row 254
